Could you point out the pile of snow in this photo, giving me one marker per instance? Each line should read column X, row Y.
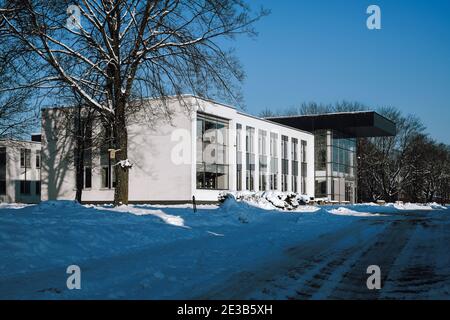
column 342, row 211
column 61, row 205
column 436, row 206
column 373, row 204
column 13, row 205
column 125, row 164
column 270, row 200
column 409, row 206
column 167, row 218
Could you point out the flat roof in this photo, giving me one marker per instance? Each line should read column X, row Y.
column 355, row 124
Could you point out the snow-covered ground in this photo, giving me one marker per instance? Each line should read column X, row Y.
column 170, row 252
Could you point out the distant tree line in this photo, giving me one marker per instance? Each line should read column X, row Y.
column 410, row 166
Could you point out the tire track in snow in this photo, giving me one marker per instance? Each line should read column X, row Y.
column 302, row 264
column 382, row 253
column 422, row 271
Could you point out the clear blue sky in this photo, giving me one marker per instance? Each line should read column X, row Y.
column 321, row 50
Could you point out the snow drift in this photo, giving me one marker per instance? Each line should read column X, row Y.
column 271, row 200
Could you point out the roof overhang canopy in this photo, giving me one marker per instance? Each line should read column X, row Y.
column 355, row 124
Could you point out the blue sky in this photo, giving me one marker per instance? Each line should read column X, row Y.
column 322, row 51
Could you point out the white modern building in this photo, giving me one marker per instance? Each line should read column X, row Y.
column 335, row 148
column 201, row 149
column 20, row 170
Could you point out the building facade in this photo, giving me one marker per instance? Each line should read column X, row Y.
column 336, row 166
column 335, row 148
column 20, row 171
column 202, row 149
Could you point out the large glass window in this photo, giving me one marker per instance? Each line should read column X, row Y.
column 343, row 150
column 321, row 188
column 273, row 177
column 335, row 165
column 238, row 157
column 87, row 177
column 294, row 157
column 25, row 187
column 212, row 153
column 83, row 150
column 320, row 145
column 38, row 159
column 349, row 191
column 262, row 149
column 107, row 164
column 284, row 163
column 25, row 158
column 250, row 162
column 303, row 154
column 106, row 175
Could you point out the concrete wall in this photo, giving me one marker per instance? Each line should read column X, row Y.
column 153, row 140
column 58, row 174
column 161, row 152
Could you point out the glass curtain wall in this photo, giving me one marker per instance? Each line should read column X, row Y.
column 335, row 160
column 304, row 166
column 262, row 149
column 212, row 153
column 250, row 159
column 284, row 163
column 343, row 167
column 238, row 157
column 294, row 157
column 273, row 177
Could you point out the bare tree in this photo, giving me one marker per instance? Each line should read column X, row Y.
column 113, row 53
column 429, row 170
column 16, row 110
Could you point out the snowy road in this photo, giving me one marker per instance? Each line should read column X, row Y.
column 411, row 251
column 236, row 251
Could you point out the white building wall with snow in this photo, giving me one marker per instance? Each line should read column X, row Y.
column 165, row 155
column 20, row 166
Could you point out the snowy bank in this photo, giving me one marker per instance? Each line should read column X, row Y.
column 416, row 206
column 342, row 211
column 169, row 219
column 272, row 200
column 157, row 252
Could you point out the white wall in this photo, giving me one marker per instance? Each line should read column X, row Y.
column 15, row 173
column 162, row 150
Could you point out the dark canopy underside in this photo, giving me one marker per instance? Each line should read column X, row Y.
column 355, row 124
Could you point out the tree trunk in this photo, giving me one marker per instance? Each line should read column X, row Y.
column 121, row 134
column 79, row 173
column 79, row 157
